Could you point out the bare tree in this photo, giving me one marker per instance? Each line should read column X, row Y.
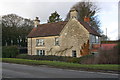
column 15, row 29
column 88, row 9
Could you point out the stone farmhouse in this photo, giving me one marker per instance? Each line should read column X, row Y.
column 65, row 38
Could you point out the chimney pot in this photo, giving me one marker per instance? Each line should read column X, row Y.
column 86, row 19
column 36, row 21
column 73, row 13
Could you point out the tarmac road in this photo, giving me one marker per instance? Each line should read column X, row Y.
column 10, row 70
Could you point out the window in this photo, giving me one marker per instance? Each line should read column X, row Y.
column 73, row 53
column 97, row 39
column 39, row 42
column 74, row 17
column 93, row 39
column 41, row 52
column 56, row 41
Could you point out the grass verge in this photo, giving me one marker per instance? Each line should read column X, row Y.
column 112, row 67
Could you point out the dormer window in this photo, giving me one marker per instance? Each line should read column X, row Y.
column 39, row 42
column 56, row 41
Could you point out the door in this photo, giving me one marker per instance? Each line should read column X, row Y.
column 73, row 53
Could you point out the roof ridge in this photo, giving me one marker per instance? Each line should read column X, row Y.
column 48, row 29
column 55, row 28
column 86, row 25
column 53, row 22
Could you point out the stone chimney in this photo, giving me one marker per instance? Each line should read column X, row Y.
column 73, row 13
column 36, row 22
column 86, row 19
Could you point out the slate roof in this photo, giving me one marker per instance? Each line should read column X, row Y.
column 54, row 29
column 90, row 29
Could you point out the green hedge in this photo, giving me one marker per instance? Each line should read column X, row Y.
column 54, row 58
column 9, row 51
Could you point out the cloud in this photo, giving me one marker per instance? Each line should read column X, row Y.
column 112, row 30
column 43, row 8
column 33, row 9
column 109, row 19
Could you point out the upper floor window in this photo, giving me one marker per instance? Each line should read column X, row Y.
column 56, row 41
column 73, row 16
column 39, row 42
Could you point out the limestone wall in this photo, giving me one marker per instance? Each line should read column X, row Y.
column 29, row 45
column 72, row 37
column 49, row 45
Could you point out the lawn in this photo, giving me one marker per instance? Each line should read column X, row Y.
column 113, row 67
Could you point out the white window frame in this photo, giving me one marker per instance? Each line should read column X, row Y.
column 57, row 41
column 39, row 42
column 74, row 53
column 40, row 52
column 93, row 39
column 97, row 39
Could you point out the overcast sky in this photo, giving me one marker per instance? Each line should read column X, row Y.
column 108, row 14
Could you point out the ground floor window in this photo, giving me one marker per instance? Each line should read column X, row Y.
column 41, row 52
column 74, row 53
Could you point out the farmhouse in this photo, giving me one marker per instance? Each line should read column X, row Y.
column 65, row 38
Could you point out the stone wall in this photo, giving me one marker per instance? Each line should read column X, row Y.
column 29, row 46
column 49, row 46
column 72, row 37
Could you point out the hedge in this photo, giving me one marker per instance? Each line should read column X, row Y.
column 9, row 51
column 54, row 58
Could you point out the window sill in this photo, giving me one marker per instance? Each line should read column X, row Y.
column 57, row 45
column 41, row 46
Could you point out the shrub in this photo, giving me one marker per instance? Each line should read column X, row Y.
column 87, row 59
column 9, row 51
column 103, row 57
column 109, row 56
column 37, row 57
column 55, row 58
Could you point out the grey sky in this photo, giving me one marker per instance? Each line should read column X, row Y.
column 40, row 9
column 31, row 8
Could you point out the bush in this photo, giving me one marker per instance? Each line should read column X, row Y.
column 103, row 57
column 55, row 58
column 87, row 59
column 109, row 56
column 38, row 57
column 9, row 51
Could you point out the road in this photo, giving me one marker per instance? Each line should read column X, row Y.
column 10, row 70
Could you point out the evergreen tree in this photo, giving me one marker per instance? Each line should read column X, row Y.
column 55, row 17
